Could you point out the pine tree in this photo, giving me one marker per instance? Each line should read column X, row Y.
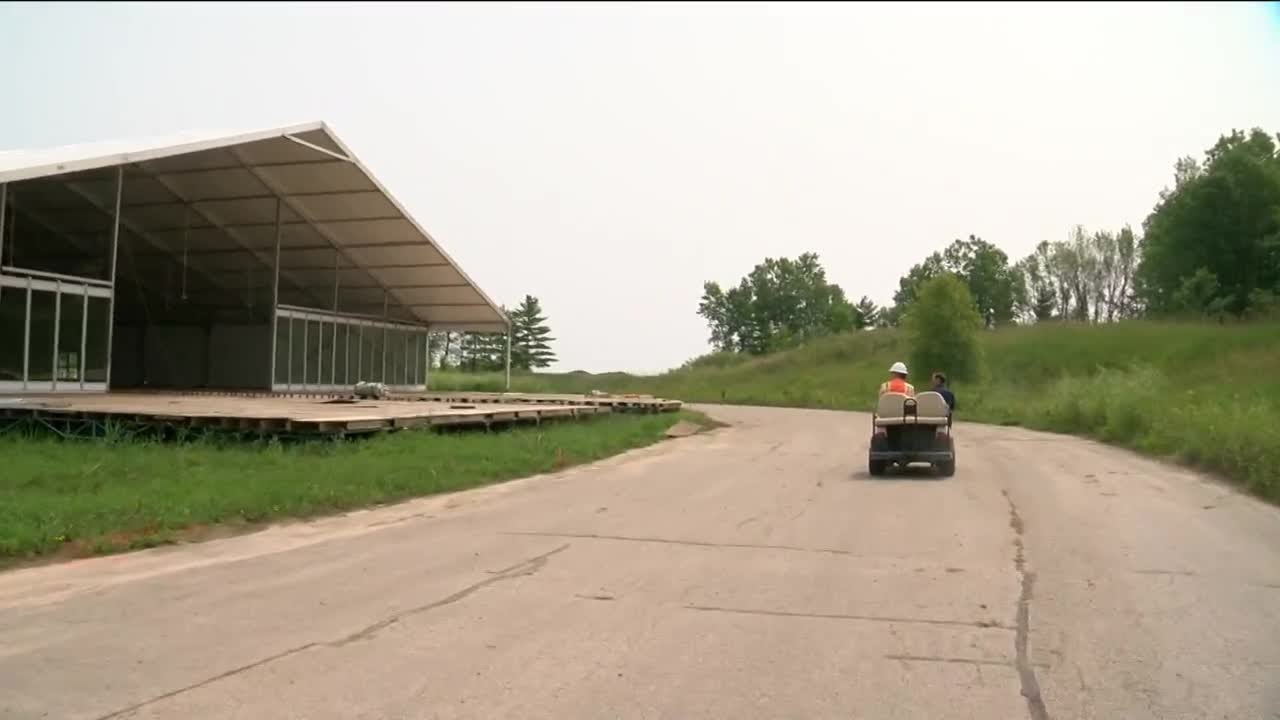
column 530, row 336
column 444, row 351
column 868, row 313
column 482, row 352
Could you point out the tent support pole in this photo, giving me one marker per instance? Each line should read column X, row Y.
column 275, row 303
column 115, row 254
column 4, row 197
column 508, row 358
column 386, row 313
column 333, row 361
column 426, row 371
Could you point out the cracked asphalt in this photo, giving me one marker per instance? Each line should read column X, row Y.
column 755, row 572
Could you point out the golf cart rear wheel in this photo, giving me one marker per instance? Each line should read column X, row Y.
column 877, row 467
column 946, row 468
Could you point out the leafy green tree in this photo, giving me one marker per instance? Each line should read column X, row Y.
column 909, row 284
column 995, row 286
column 943, row 324
column 1223, row 217
column 1064, row 268
column 728, row 314
column 1264, row 305
column 1200, row 294
column 782, row 302
column 1088, row 277
column 530, row 336
column 1119, row 262
column 1039, row 299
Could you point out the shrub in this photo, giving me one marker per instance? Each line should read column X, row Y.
column 942, row 327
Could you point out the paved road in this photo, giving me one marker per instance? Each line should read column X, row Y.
column 756, row 572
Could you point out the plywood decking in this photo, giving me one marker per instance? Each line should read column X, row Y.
column 624, row 403
column 277, row 414
column 646, row 403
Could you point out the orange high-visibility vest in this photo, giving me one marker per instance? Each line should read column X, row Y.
column 898, row 385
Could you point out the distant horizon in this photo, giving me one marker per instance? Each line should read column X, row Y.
column 610, row 159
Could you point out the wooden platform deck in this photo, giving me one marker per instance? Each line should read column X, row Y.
column 643, row 403
column 268, row 414
column 620, row 403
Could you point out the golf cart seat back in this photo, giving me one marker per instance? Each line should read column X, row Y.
column 931, row 409
column 897, row 409
column 891, row 409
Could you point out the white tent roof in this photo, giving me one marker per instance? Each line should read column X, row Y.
column 212, row 198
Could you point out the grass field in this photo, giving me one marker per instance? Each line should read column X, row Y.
column 1205, row 394
column 86, row 497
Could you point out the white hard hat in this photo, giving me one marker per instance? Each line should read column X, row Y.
column 899, row 368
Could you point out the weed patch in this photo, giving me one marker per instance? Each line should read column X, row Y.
column 87, row 497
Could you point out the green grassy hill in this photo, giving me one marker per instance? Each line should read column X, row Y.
column 1205, row 394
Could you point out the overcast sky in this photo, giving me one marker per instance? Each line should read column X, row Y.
column 610, row 158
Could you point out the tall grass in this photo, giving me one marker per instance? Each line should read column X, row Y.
column 85, row 497
column 1206, row 394
column 453, row 380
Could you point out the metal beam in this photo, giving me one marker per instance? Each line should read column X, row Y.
column 300, row 212
column 290, row 223
column 469, row 326
column 447, row 305
column 239, row 198
column 333, row 361
column 115, row 252
column 317, row 148
column 275, row 298
column 4, row 198
column 84, row 330
column 57, row 276
column 223, row 168
column 74, row 239
column 26, row 340
column 216, row 288
column 410, row 286
column 288, row 375
column 13, row 228
column 508, row 359
column 209, row 219
column 373, row 318
column 306, row 325
column 57, row 330
column 117, row 221
column 301, row 268
column 290, row 248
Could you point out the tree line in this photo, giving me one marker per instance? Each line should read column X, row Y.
column 780, row 303
column 1209, row 248
column 1090, row 276
column 487, row 352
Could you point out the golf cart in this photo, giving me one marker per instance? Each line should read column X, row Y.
column 907, row 430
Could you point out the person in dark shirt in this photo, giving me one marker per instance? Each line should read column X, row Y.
column 940, row 387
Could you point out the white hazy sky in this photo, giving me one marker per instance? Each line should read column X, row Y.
column 610, row 158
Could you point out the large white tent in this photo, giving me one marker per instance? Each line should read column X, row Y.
column 269, row 259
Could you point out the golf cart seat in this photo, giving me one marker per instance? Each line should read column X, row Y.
column 927, row 408
column 891, row 410
column 931, row 409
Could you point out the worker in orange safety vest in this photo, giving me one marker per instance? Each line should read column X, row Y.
column 897, row 382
